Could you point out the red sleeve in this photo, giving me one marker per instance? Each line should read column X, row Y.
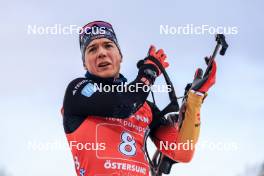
column 166, row 141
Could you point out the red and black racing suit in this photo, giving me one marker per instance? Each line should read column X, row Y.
column 112, row 125
column 106, row 130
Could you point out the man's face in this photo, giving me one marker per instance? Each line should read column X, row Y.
column 102, row 58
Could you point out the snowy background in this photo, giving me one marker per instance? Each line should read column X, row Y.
column 35, row 70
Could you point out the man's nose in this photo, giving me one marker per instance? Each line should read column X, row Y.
column 101, row 52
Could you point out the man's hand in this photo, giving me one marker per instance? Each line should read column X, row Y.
column 159, row 55
column 202, row 83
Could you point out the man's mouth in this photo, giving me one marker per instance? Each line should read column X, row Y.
column 104, row 64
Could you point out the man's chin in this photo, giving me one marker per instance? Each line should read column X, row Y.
column 107, row 74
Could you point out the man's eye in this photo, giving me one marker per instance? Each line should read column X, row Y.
column 91, row 49
column 108, row 46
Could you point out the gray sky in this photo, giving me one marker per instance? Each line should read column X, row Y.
column 35, row 70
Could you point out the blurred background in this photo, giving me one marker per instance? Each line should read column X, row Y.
column 36, row 68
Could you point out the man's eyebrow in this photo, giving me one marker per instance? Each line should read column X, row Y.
column 90, row 46
column 107, row 42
